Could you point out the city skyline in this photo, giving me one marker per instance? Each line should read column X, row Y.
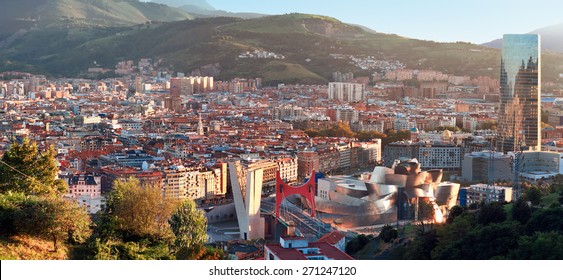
column 287, row 137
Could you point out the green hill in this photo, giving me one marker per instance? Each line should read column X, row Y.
column 38, row 14
column 306, row 42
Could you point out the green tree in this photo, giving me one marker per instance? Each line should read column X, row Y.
column 425, row 212
column 25, row 169
column 202, row 252
column 539, row 246
column 369, row 135
column 451, row 233
column 533, row 195
column 395, row 136
column 343, row 130
column 492, row 241
column 357, row 243
column 455, row 212
column 492, row 125
column 450, row 128
column 521, row 211
column 139, row 211
column 546, row 220
column 421, row 247
column 65, row 220
column 491, row 213
column 311, row 132
column 189, row 226
column 388, row 233
column 46, row 217
column 134, row 225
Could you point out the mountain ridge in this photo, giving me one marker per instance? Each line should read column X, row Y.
column 16, row 15
column 551, row 38
column 200, row 4
column 308, row 43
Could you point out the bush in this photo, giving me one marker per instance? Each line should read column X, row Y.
column 521, row 211
column 45, row 217
column 456, row 211
column 491, row 213
column 388, row 233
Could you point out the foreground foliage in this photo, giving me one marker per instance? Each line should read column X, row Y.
column 492, row 233
column 140, row 224
column 26, row 170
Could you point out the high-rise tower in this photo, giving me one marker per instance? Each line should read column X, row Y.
column 519, row 112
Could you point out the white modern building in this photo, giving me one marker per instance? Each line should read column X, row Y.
column 350, row 92
column 483, row 192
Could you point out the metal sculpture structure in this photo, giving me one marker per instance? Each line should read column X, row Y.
column 306, row 190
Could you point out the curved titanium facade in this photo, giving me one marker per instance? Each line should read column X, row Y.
column 378, row 203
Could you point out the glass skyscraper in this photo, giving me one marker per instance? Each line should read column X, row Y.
column 519, row 112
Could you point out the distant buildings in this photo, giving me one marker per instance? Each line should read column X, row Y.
column 495, row 166
column 349, row 92
column 259, row 54
column 483, row 192
column 431, row 155
column 86, row 189
column 180, row 182
column 186, row 86
column 308, row 160
column 520, row 85
column 342, row 77
column 338, row 156
column 536, row 166
column 190, row 85
column 486, row 165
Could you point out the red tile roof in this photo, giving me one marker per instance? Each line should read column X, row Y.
column 326, row 250
column 332, row 237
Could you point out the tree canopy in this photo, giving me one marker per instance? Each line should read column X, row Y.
column 494, row 231
column 388, row 233
column 139, row 223
column 46, row 217
column 25, row 169
column 140, row 211
column 189, row 226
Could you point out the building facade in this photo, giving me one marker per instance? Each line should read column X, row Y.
column 520, row 87
column 307, row 161
column 486, row 165
column 483, row 192
column 346, row 91
column 86, row 189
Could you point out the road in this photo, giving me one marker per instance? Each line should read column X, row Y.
column 310, row 227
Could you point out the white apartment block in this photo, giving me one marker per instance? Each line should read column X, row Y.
column 349, row 92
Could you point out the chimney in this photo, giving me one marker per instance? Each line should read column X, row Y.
column 290, row 229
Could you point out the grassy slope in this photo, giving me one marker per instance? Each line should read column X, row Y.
column 30, row 248
column 17, row 14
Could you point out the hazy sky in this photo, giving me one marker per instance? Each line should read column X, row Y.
column 476, row 21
